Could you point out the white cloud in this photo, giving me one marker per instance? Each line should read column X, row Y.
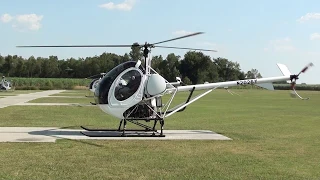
column 280, row 45
column 6, row 18
column 127, row 5
column 315, row 36
column 181, row 33
column 24, row 21
column 309, row 16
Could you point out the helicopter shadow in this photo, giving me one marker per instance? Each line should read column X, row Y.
column 64, row 133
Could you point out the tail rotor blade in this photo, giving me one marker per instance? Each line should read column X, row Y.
column 305, row 68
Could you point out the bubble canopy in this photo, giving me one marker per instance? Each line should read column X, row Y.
column 129, row 83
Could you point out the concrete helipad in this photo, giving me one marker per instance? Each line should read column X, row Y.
column 51, row 134
column 23, row 98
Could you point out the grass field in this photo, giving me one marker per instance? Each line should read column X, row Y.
column 274, row 137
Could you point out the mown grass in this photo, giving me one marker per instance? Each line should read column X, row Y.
column 274, row 137
column 62, row 100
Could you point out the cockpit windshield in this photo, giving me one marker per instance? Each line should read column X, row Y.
column 102, row 91
column 128, row 85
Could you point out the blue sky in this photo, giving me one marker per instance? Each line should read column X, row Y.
column 257, row 34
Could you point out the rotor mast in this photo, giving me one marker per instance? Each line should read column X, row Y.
column 146, row 52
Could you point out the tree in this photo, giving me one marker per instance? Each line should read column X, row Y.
column 125, row 58
column 198, row 67
column 186, row 80
column 1, row 62
column 228, row 70
column 194, row 67
column 252, row 74
column 135, row 52
column 31, row 66
column 20, row 68
column 169, row 67
column 155, row 63
column 8, row 65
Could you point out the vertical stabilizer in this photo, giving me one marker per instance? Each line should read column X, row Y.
column 284, row 69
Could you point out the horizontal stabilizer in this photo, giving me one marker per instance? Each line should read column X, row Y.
column 268, row 86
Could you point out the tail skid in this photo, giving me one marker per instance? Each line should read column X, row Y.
column 294, row 94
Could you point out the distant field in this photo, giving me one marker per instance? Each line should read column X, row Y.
column 274, row 137
column 48, row 83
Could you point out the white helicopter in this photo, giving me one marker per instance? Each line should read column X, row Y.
column 5, row 85
column 94, row 83
column 133, row 92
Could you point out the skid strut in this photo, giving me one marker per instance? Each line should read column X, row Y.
column 122, row 131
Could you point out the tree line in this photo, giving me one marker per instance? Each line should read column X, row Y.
column 194, row 67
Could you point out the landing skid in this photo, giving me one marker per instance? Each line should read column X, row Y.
column 123, row 132
column 120, row 134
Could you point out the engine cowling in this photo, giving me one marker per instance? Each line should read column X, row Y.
column 156, row 84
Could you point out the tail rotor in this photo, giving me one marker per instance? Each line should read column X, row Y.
column 294, row 78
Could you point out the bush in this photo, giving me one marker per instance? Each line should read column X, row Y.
column 26, row 88
column 47, row 83
column 298, row 87
column 281, row 87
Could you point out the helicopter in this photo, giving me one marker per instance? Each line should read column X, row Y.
column 133, row 91
column 5, row 85
column 95, row 80
column 94, row 83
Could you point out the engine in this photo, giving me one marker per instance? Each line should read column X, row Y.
column 145, row 109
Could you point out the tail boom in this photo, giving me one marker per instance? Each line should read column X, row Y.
column 234, row 83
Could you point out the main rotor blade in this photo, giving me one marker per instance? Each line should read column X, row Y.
column 186, row 48
column 188, row 35
column 83, row 46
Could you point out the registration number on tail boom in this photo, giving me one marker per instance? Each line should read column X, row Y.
column 249, row 81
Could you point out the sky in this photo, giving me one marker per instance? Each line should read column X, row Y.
column 256, row 34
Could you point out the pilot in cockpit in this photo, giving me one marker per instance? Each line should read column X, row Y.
column 127, row 87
